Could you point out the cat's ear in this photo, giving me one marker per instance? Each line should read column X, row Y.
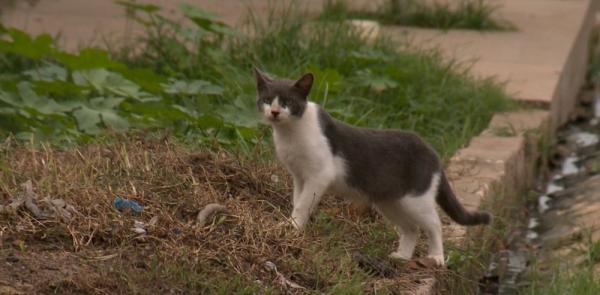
column 304, row 84
column 261, row 80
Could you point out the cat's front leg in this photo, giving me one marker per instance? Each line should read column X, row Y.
column 298, row 184
column 307, row 201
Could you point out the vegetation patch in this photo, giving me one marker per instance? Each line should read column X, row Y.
column 466, row 14
column 195, row 81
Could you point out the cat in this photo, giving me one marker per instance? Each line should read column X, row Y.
column 394, row 171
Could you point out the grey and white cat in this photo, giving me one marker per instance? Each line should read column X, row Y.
column 394, row 171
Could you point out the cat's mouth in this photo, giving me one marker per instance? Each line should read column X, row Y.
column 274, row 119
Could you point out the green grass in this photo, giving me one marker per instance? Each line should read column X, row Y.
column 196, row 82
column 467, row 14
column 562, row 275
column 580, row 281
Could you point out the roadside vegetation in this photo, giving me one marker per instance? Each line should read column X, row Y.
column 466, row 14
column 171, row 123
column 569, row 275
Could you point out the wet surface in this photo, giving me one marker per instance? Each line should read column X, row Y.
column 566, row 206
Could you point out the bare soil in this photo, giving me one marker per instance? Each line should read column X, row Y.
column 97, row 252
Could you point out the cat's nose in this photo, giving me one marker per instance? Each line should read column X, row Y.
column 275, row 113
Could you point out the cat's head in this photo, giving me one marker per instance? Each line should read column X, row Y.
column 281, row 101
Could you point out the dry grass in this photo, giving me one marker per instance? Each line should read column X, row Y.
column 96, row 252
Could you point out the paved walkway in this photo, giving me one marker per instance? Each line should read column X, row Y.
column 543, row 62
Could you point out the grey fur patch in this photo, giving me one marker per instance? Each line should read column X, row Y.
column 383, row 164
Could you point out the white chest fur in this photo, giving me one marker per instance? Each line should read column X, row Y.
column 304, row 150
column 301, row 145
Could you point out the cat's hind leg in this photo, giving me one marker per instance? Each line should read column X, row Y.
column 421, row 210
column 408, row 232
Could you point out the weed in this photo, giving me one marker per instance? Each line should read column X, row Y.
column 563, row 279
column 593, row 251
column 467, row 14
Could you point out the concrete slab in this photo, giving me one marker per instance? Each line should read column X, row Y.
column 542, row 62
column 517, row 123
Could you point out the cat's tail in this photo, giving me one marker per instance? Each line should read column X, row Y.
column 450, row 204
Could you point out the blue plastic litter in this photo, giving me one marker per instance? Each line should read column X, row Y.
column 122, row 204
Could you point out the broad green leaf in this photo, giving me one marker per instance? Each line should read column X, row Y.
column 241, row 112
column 205, row 20
column 113, row 120
column 11, row 99
column 48, row 73
column 87, row 119
column 145, row 78
column 22, row 44
column 95, row 78
column 191, row 87
column 32, row 102
column 106, row 102
column 59, row 88
column 200, row 17
column 100, row 109
column 106, row 82
column 89, row 58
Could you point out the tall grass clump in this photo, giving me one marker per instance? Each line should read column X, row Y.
column 466, row 14
column 379, row 84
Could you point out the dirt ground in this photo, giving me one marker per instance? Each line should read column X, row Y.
column 98, row 251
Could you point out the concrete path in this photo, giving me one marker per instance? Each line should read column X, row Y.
column 543, row 62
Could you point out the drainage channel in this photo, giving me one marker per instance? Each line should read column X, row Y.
column 571, row 186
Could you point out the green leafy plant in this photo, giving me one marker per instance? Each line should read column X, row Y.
column 195, row 80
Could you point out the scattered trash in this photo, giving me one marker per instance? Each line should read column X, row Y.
column 60, row 208
column 123, row 204
column 48, row 208
column 270, row 266
column 583, row 139
column 543, row 203
column 139, row 227
column 569, row 167
column 209, row 210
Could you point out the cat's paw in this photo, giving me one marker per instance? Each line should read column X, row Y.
column 399, row 255
column 288, row 225
column 438, row 259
